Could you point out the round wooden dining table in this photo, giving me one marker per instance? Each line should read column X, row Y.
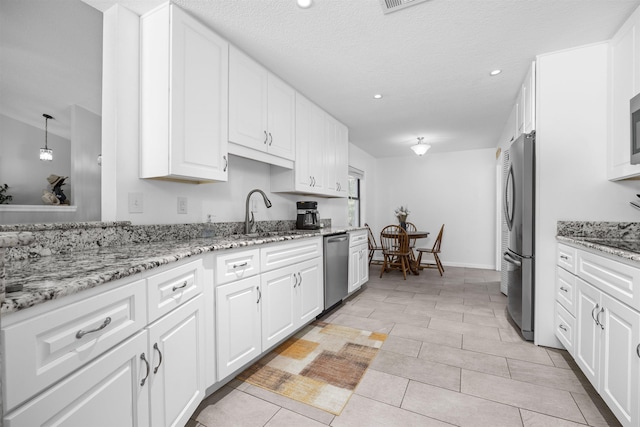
column 411, row 235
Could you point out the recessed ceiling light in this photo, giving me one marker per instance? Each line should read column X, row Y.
column 304, row 4
column 495, row 72
column 377, row 96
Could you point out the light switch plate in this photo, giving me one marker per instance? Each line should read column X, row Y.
column 135, row 203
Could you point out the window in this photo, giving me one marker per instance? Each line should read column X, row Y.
column 354, row 197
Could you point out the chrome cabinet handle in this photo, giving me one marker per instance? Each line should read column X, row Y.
column 638, row 350
column 598, row 318
column 226, row 163
column 563, row 328
column 310, row 181
column 296, row 280
column 240, row 265
column 259, row 294
column 300, row 279
column 266, row 138
column 184, row 285
column 563, row 289
column 155, row 346
column 314, row 181
column 564, row 257
column 270, row 139
column 82, row 333
column 593, row 315
column 144, row 359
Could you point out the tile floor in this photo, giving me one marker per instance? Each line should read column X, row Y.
column 452, row 358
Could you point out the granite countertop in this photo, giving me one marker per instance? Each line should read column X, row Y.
column 51, row 277
column 623, row 248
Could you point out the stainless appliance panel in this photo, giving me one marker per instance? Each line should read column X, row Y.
column 336, row 269
column 634, row 106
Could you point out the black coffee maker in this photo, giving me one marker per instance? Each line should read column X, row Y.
column 308, row 216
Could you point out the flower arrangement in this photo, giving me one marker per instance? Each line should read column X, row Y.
column 401, row 213
column 5, row 198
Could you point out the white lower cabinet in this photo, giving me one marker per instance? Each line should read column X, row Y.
column 176, row 358
column 238, row 324
column 107, row 392
column 358, row 259
column 606, row 336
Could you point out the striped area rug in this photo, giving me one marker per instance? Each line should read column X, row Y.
column 321, row 365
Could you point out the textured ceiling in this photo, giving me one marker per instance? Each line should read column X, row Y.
column 431, row 61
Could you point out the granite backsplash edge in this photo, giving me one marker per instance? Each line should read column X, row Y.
column 599, row 230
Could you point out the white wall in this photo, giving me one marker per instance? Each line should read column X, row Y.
column 571, row 163
column 224, row 200
column 456, row 189
column 20, row 165
column 365, row 162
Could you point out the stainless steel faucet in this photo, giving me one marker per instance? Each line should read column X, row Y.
column 249, row 224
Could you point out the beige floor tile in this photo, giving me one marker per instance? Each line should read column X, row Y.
column 363, row 323
column 486, row 304
column 549, row 401
column 193, row 423
column 377, row 283
column 432, row 312
column 286, row 418
column 382, row 387
column 401, row 345
column 465, row 359
column 420, row 288
column 534, row 419
column 461, row 308
column 375, row 294
column 417, row 369
column 405, row 318
column 293, row 405
column 549, row 376
column 237, row 409
column 399, row 299
column 417, row 333
column 498, row 297
column 595, row 411
column 457, row 408
column 496, row 322
column 465, row 295
column 436, row 298
column 526, row 351
column 363, row 412
column 354, row 310
column 485, row 332
column 512, row 336
column 379, row 305
column 560, row 358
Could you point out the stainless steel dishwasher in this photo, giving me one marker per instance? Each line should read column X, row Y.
column 336, row 269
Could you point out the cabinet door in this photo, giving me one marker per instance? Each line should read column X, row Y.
column 278, row 319
column 177, row 364
column 330, row 144
column 107, row 392
column 247, row 101
column 199, row 106
column 281, row 118
column 364, row 264
column 529, row 91
column 238, row 317
column 354, row 268
column 309, row 291
column 316, row 149
column 620, row 373
column 303, row 170
column 342, row 159
column 587, row 345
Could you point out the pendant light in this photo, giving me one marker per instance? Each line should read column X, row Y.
column 46, row 154
column 420, row 149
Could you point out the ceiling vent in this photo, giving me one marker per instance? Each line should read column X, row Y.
column 389, row 6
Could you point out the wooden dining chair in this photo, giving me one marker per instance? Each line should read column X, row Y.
column 435, row 250
column 395, row 249
column 412, row 241
column 373, row 246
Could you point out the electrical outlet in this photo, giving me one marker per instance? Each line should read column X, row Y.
column 254, row 206
column 135, row 203
column 182, row 205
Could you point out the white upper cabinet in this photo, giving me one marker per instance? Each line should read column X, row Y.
column 528, row 104
column 624, row 84
column 184, row 101
column 261, row 108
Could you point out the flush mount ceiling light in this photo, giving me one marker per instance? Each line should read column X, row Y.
column 495, row 72
column 377, row 96
column 304, row 4
column 46, row 154
column 420, row 149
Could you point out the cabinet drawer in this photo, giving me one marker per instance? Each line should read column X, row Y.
column 566, row 258
column 565, row 327
column 619, row 280
column 236, row 265
column 357, row 237
column 174, row 287
column 288, row 253
column 44, row 349
column 566, row 290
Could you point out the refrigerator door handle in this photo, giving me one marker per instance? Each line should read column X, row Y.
column 510, row 259
column 509, row 198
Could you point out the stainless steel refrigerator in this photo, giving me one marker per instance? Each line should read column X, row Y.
column 518, row 200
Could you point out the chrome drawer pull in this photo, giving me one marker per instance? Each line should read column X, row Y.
column 155, row 346
column 240, row 265
column 82, row 333
column 266, row 138
column 593, row 316
column 563, row 289
column 598, row 318
column 259, row 295
column 300, row 278
column 295, row 284
column 184, row 285
column 638, row 350
column 564, row 257
column 563, row 328
column 144, row 359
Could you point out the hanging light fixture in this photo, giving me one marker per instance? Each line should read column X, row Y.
column 46, row 154
column 420, row 148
